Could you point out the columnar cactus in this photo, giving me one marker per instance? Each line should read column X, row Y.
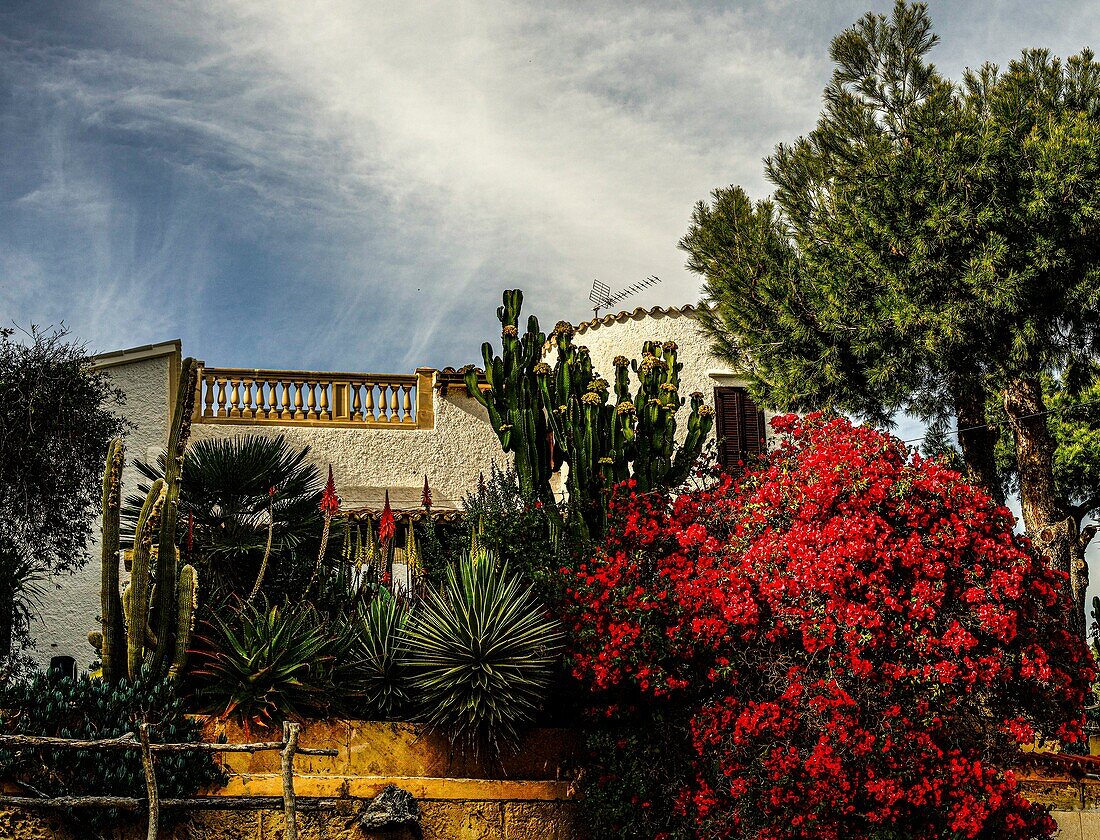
column 513, row 400
column 154, row 617
column 604, row 440
column 167, row 562
column 113, row 634
column 657, row 460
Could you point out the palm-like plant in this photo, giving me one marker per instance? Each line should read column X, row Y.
column 264, row 664
column 228, row 512
column 481, row 654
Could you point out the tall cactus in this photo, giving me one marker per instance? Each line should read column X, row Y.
column 113, row 634
column 512, row 399
column 167, row 565
column 156, row 611
column 604, row 441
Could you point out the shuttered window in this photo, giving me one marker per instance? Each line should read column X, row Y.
column 742, row 435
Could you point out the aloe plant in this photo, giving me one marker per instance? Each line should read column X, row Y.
column 481, row 654
column 264, row 663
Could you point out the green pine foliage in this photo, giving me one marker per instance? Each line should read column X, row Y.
column 929, row 245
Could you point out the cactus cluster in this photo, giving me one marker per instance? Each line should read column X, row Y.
column 152, row 620
column 569, row 414
column 513, row 403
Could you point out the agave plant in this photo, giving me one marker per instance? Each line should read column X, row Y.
column 265, row 663
column 371, row 673
column 481, row 654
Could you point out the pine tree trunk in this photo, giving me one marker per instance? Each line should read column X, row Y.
column 977, row 441
column 1046, row 521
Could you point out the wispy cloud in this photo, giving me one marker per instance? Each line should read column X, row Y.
column 349, row 184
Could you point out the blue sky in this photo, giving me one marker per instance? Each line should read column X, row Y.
column 348, row 185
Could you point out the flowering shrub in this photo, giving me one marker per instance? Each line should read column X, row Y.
column 857, row 641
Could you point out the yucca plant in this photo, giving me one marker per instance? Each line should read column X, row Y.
column 371, row 673
column 264, row 663
column 481, row 654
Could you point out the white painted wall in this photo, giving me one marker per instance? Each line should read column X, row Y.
column 624, row 335
column 461, row 446
column 69, row 612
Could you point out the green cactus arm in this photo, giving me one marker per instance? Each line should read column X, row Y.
column 700, row 424
column 112, row 632
column 473, row 387
column 186, row 604
column 167, row 563
column 137, row 620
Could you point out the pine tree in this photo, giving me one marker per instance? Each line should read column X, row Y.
column 928, row 244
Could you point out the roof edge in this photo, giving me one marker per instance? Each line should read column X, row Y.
column 136, row 354
column 688, row 310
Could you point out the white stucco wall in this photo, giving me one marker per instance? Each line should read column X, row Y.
column 624, row 335
column 68, row 612
column 452, row 454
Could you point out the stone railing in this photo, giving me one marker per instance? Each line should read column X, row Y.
column 298, row 397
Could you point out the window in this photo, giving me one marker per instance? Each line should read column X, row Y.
column 741, row 430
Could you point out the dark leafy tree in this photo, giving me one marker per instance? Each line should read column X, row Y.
column 55, row 424
column 928, row 244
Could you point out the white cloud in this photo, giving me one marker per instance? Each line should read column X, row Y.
column 333, row 168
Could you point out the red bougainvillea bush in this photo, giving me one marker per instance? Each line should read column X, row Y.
column 851, row 638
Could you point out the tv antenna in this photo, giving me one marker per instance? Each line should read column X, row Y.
column 602, row 298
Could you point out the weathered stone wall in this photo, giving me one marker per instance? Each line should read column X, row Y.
column 529, row 797
column 336, row 820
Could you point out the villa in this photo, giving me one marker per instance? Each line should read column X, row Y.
column 381, row 433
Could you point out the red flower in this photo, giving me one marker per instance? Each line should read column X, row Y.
column 828, row 627
column 387, row 525
column 330, row 502
column 426, row 496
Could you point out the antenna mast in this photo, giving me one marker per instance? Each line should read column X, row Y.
column 601, row 297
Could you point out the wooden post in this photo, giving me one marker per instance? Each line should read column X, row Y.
column 290, row 810
column 150, row 782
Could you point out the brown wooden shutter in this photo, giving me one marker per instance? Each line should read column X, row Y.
column 742, row 433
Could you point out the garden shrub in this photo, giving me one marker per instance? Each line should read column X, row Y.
column 522, row 531
column 480, row 654
column 263, row 663
column 372, row 674
column 83, row 708
column 854, row 640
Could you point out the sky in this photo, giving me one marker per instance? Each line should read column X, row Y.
column 349, row 185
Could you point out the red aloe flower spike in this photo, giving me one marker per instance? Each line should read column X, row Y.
column 387, row 525
column 426, row 498
column 190, row 532
column 330, row 502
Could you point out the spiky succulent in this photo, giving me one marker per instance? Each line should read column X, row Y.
column 481, row 653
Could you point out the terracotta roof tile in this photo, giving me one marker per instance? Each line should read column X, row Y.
column 637, row 314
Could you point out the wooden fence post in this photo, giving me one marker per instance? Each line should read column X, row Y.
column 150, row 782
column 290, row 810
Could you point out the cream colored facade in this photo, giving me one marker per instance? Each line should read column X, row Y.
column 450, row 440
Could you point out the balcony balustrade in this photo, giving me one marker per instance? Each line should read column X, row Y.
column 296, row 397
